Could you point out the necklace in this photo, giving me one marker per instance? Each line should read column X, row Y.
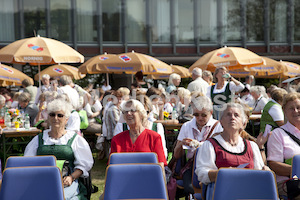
column 232, row 144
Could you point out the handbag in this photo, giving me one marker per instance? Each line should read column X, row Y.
column 292, row 184
column 292, row 187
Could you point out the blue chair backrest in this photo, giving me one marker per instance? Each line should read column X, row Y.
column 32, row 183
column 135, row 181
column 135, row 157
column 24, row 161
column 296, row 166
column 245, row 184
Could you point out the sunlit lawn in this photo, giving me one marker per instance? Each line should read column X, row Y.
column 98, row 176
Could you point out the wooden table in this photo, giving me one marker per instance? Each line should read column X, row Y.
column 22, row 135
column 171, row 132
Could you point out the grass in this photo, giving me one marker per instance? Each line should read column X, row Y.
column 98, row 176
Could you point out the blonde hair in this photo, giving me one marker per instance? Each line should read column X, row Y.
column 183, row 93
column 290, row 97
column 124, row 91
column 215, row 79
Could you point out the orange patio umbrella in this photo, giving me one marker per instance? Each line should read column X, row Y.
column 59, row 70
column 290, row 70
column 11, row 76
column 89, row 67
column 39, row 51
column 182, row 71
column 230, row 57
column 271, row 69
column 130, row 63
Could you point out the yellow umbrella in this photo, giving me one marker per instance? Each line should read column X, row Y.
column 182, row 71
column 131, row 63
column 59, row 70
column 11, row 76
column 229, row 57
column 39, row 51
column 89, row 67
column 290, row 69
column 271, row 69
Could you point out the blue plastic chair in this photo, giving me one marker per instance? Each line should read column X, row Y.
column 245, row 184
column 296, row 166
column 32, row 183
column 134, row 157
column 135, row 181
column 28, row 161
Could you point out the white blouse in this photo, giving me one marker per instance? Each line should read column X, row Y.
column 82, row 152
column 206, row 157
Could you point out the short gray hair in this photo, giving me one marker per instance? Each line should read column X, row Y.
column 235, row 105
column 2, row 100
column 24, row 97
column 59, row 105
column 65, row 80
column 46, row 76
column 202, row 102
column 197, row 71
column 172, row 77
column 138, row 106
column 259, row 90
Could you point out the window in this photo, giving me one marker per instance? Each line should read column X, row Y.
column 160, row 21
column 35, row 18
column 136, row 21
column 207, row 12
column 8, row 20
column 60, row 12
column 184, row 20
column 255, row 20
column 278, row 20
column 86, row 20
column 296, row 20
column 111, row 18
column 231, row 20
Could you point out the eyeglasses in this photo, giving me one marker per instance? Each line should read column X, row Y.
column 58, row 115
column 198, row 114
column 125, row 112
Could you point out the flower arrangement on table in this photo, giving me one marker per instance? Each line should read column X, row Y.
column 166, row 115
column 15, row 115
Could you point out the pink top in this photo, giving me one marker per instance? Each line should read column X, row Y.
column 147, row 141
column 281, row 146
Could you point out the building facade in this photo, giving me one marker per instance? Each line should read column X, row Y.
column 176, row 31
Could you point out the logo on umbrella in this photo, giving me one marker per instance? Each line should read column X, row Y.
column 125, row 58
column 223, row 55
column 103, row 58
column 293, row 66
column 7, row 69
column 34, row 47
column 58, row 70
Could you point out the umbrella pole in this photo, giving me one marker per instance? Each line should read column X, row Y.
column 39, row 68
column 107, row 79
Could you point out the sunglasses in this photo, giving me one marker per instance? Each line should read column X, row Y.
column 127, row 111
column 198, row 114
column 58, row 115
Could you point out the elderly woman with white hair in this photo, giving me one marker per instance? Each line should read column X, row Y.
column 260, row 96
column 2, row 101
column 193, row 133
column 64, row 145
column 174, row 81
column 183, row 106
column 228, row 149
column 139, row 138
